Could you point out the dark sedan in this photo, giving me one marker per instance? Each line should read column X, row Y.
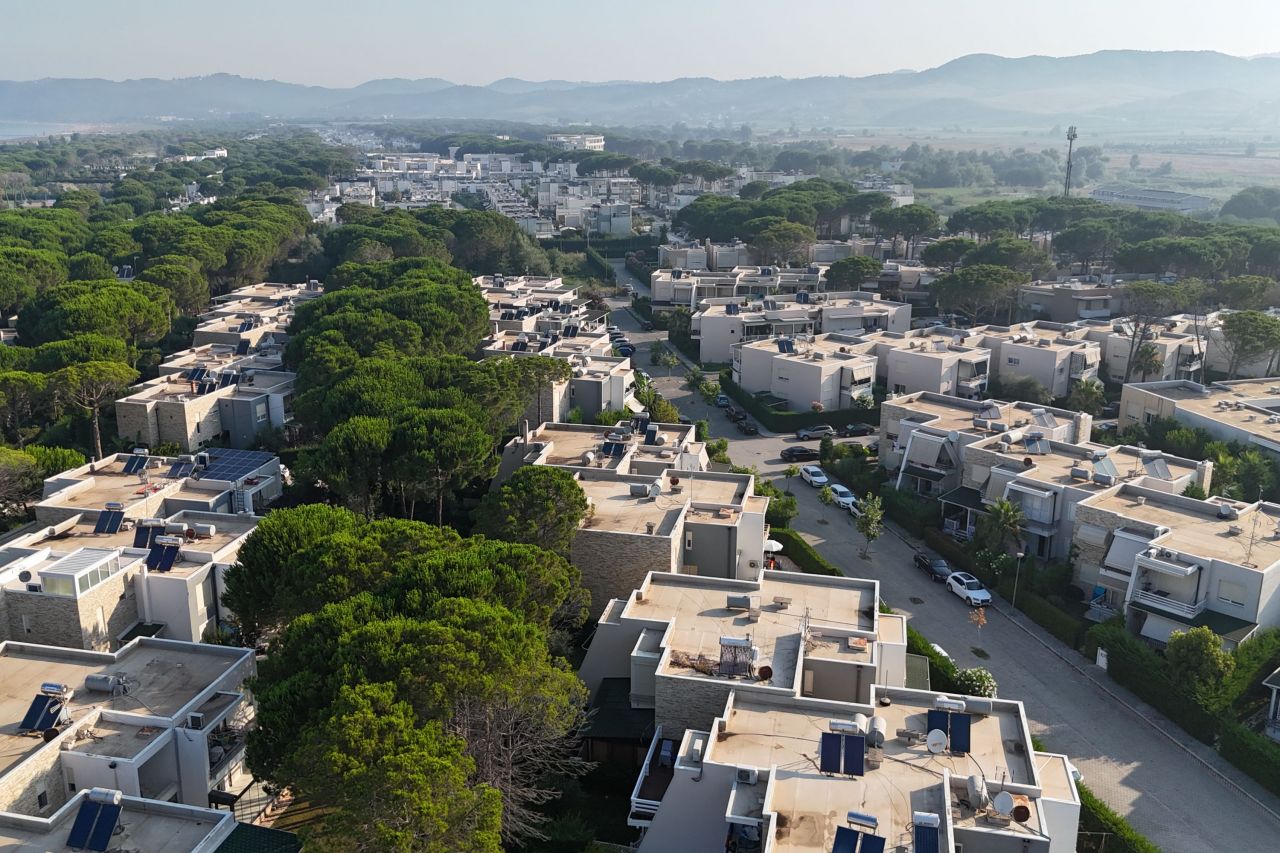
column 800, row 454
column 854, row 430
column 936, row 568
column 746, row 427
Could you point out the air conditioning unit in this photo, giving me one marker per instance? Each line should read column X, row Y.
column 748, row 775
column 34, row 587
column 195, row 720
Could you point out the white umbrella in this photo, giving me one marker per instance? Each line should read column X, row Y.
column 772, row 545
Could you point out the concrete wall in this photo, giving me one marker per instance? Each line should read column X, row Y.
column 837, row 681
column 610, row 653
column 713, row 551
column 174, row 601
column 614, row 564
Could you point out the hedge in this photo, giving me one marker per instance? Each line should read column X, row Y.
column 1053, row 619
column 802, row 553
column 942, row 672
column 1255, row 754
column 785, row 422
column 916, row 515
column 639, row 268
column 610, row 247
column 598, row 265
column 1097, row 816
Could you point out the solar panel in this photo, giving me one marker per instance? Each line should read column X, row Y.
column 228, row 464
column 197, row 373
column 115, row 518
column 937, row 720
column 1105, row 466
column 100, row 525
column 207, row 387
column 1037, row 446
column 244, row 327
column 1156, row 466
column 872, row 844
column 829, row 752
column 926, row 838
column 143, row 534
column 155, row 554
column 105, row 826
column 960, row 741
column 228, row 378
column 855, row 751
column 732, row 309
column 242, row 348
column 846, row 840
column 135, row 464
column 180, row 470
column 50, row 716
column 84, row 822
column 167, row 558
column 39, row 708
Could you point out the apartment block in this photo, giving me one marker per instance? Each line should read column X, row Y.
column 140, row 749
column 721, row 322
column 132, row 546
column 608, row 219
column 1245, row 410
column 653, row 504
column 1179, row 344
column 545, row 306
column 1168, row 562
column 832, row 371
column 577, row 141
column 704, row 256
column 1072, row 300
column 786, row 715
column 1054, row 355
column 204, row 404
column 672, row 287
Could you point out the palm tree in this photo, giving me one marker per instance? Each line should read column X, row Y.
column 1147, row 361
column 1088, row 396
column 1001, row 525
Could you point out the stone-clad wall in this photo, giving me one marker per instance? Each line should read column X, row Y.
column 614, row 564
column 688, row 703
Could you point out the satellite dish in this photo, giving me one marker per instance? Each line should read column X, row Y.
column 1003, row 803
column 24, row 575
column 936, row 741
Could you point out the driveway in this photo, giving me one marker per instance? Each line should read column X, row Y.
column 1165, row 792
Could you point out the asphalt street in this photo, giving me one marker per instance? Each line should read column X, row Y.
column 1164, row 789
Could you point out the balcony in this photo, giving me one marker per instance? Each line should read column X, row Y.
column 226, row 746
column 651, row 785
column 957, row 529
column 1094, row 313
column 1163, row 600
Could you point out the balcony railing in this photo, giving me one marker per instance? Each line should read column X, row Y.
column 956, row 529
column 1161, row 599
column 654, row 778
column 225, row 747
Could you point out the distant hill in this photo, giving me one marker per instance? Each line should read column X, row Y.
column 1110, row 89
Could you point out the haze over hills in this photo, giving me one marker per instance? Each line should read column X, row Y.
column 1112, row 89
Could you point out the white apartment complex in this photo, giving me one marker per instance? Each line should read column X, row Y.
column 577, row 141
column 827, row 372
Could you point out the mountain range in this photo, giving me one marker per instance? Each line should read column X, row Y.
column 1118, row 90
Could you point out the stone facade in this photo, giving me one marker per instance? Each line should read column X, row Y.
column 1089, row 557
column 688, row 703
column 40, row 774
column 613, row 564
column 57, row 620
column 135, row 423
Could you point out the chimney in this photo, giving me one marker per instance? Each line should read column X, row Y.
column 1204, row 475
column 1083, row 422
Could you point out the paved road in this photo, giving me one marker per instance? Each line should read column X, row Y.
column 1166, row 793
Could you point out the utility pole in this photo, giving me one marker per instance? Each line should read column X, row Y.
column 1071, row 143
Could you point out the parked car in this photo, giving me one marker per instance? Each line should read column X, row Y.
column 685, row 419
column 800, row 454
column 969, row 588
column 646, row 326
column 626, row 350
column 845, row 499
column 819, row 431
column 734, row 414
column 746, row 427
column 722, row 400
column 612, row 329
column 936, row 568
column 854, row 430
column 874, row 448
column 943, row 653
column 814, row 476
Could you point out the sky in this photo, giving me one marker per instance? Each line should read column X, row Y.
column 330, row 43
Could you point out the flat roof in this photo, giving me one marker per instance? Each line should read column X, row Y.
column 1195, row 527
column 811, row 805
column 698, row 609
column 1258, row 403
column 147, row 827
column 164, row 677
column 1054, row 467
column 117, row 740
column 614, row 508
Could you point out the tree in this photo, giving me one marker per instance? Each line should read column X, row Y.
column 826, row 496
column 850, row 273
column 1197, row 662
column 948, row 252
column 1086, row 242
column 19, row 482
column 1025, row 389
column 350, row 461
column 540, row 505
column 784, row 242
column 1243, row 292
column 21, row 394
column 434, row 451
column 1001, row 525
column 752, row 190
column 1089, row 396
column 87, row 266
column 976, row 681
column 870, row 522
column 911, row 222
column 979, row 290
column 1147, row 360
column 395, row 784
column 1148, row 303
column 1255, row 476
column 791, row 472
column 1013, row 253
column 90, row 386
column 1246, row 337
column 188, row 288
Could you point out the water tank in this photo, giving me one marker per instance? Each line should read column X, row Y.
column 106, row 796
column 103, row 683
column 878, row 731
column 860, row 722
column 175, row 528
column 204, row 531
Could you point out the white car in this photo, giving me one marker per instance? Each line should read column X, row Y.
column 943, row 653
column 969, row 588
column 814, row 476
column 845, row 499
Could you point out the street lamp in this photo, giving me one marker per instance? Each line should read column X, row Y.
column 1016, row 577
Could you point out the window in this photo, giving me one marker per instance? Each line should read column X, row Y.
column 1231, row 593
column 1013, row 360
column 260, row 412
column 71, row 787
column 42, row 800
column 688, row 539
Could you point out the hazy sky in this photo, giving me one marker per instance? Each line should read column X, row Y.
column 343, row 43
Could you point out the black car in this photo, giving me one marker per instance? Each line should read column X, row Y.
column 800, row 454
column 746, row 427
column 853, row 430
column 734, row 414
column 936, row 568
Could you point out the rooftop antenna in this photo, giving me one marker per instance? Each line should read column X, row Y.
column 1253, row 530
column 1071, row 143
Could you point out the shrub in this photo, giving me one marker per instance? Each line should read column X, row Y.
column 976, row 681
column 942, row 672
column 1056, row 621
column 802, row 553
column 1096, row 816
column 1255, row 754
column 913, row 513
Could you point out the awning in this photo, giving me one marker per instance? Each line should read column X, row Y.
column 965, row 497
column 924, row 449
column 634, row 406
column 1125, row 548
column 925, row 473
column 1230, row 628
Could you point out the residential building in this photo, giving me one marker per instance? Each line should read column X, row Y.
column 600, row 382
column 831, row 371
column 830, row 251
column 719, row 323
column 577, row 141
column 944, row 361
column 1054, row 355
column 1072, row 300
column 786, row 715
column 1169, row 562
column 231, row 405
column 1149, row 199
column 1246, row 410
column 653, row 504
column 538, row 306
column 609, row 219
column 133, row 545
column 1178, row 345
column 704, row 256
column 217, row 358
column 1271, row 724
column 149, row 740
column 672, row 287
